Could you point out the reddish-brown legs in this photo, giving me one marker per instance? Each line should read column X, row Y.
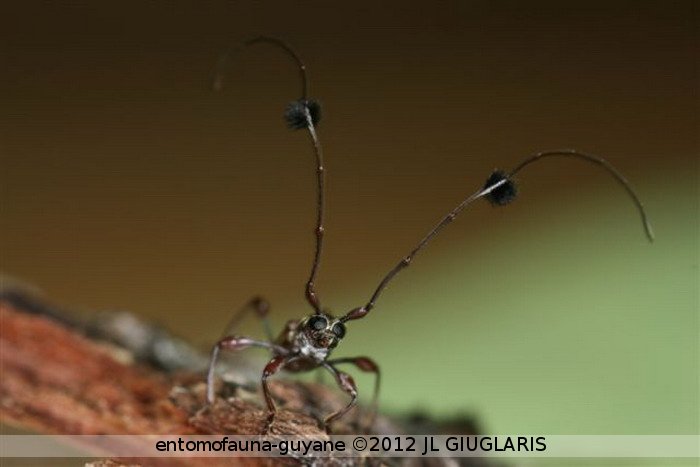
column 261, row 307
column 347, row 384
column 234, row 343
column 368, row 365
column 272, row 367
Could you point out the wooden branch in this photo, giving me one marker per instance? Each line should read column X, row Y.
column 57, row 380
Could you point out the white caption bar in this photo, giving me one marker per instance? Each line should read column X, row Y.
column 518, row 446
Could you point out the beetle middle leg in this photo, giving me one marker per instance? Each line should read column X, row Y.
column 233, row 343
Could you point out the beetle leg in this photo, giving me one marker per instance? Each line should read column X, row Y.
column 347, row 384
column 261, row 307
column 368, row 365
column 233, row 343
column 272, row 367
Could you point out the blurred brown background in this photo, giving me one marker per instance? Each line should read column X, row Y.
column 126, row 184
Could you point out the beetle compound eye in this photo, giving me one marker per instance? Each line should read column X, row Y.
column 295, row 113
column 339, row 330
column 504, row 193
column 318, row 323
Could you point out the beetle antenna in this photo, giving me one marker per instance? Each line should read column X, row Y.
column 301, row 113
column 225, row 58
column 500, row 189
column 621, row 179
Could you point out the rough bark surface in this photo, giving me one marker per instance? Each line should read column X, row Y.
column 61, row 376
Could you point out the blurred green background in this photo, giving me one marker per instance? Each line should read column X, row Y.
column 126, row 184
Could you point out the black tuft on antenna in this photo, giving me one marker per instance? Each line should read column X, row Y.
column 295, row 113
column 504, row 194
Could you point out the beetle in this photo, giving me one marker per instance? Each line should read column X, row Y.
column 307, row 343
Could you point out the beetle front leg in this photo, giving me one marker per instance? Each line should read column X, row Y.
column 347, row 384
column 273, row 366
